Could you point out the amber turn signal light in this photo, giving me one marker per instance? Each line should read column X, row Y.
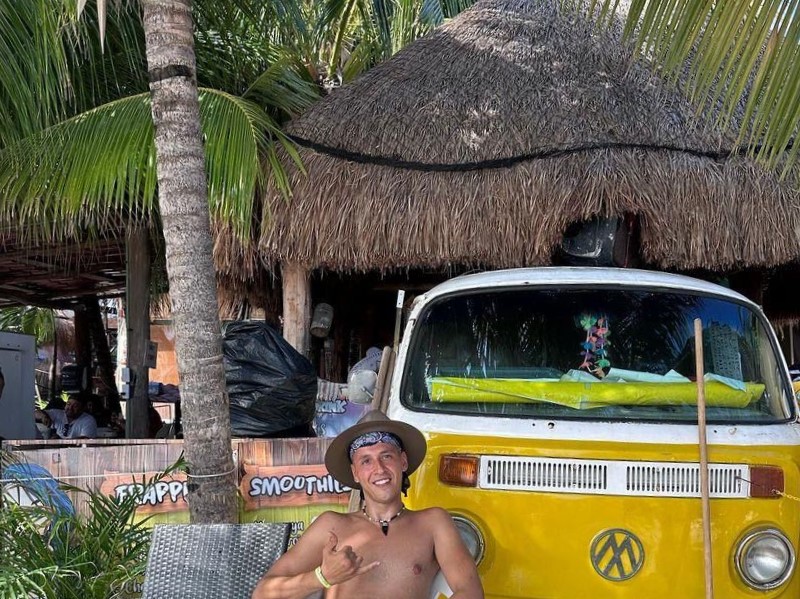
column 459, row 470
column 766, row 481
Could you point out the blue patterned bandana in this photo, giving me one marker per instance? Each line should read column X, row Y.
column 373, row 438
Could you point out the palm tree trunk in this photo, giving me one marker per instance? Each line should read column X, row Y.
column 184, row 212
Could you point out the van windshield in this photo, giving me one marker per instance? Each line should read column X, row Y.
column 610, row 354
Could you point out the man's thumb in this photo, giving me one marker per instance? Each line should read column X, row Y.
column 333, row 541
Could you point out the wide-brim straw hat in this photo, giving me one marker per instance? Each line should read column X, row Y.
column 337, row 458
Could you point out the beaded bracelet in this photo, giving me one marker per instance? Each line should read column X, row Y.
column 321, row 577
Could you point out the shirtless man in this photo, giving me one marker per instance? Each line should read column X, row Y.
column 384, row 551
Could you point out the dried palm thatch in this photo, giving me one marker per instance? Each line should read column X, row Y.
column 480, row 143
column 237, row 299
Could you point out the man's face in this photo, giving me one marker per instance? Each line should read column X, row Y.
column 379, row 469
column 73, row 409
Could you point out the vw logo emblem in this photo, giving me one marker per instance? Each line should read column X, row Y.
column 617, row 554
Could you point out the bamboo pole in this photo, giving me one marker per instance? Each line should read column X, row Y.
column 387, row 383
column 701, row 426
column 401, row 294
column 384, row 378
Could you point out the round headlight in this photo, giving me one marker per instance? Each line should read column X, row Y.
column 765, row 559
column 472, row 537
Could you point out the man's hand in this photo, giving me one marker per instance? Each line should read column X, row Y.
column 41, row 416
column 339, row 565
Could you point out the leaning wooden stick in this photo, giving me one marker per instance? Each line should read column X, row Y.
column 701, row 425
column 401, row 296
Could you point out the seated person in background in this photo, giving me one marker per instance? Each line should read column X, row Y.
column 117, row 423
column 154, row 423
column 73, row 422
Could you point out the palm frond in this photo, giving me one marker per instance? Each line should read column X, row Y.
column 39, row 322
column 33, row 69
column 238, row 133
column 89, row 554
column 92, row 170
column 744, row 61
column 284, row 88
column 434, row 12
column 102, row 71
column 98, row 169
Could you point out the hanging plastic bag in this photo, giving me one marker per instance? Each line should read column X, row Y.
column 272, row 388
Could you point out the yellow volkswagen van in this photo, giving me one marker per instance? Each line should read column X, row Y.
column 560, row 407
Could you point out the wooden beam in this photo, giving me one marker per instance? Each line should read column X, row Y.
column 68, row 249
column 97, row 329
column 83, row 341
column 78, row 280
column 138, row 323
column 296, row 306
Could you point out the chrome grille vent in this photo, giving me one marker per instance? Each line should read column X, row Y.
column 611, row 477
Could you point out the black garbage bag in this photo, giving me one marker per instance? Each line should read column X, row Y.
column 272, row 388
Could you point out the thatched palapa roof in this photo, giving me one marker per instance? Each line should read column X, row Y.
column 480, row 143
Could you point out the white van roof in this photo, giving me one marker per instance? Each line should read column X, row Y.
column 581, row 275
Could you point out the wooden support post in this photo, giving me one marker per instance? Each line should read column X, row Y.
column 54, row 365
column 138, row 323
column 296, row 306
column 97, row 328
column 83, row 342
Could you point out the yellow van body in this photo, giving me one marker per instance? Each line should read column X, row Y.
column 568, row 501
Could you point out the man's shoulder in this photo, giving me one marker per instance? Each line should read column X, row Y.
column 433, row 517
column 55, row 414
column 432, row 512
column 329, row 521
column 86, row 425
column 330, row 517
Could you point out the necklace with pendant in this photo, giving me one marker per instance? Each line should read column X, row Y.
column 384, row 523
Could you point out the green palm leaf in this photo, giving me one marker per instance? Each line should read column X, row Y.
column 39, row 322
column 97, row 169
column 82, row 173
column 284, row 88
column 743, row 56
column 33, row 70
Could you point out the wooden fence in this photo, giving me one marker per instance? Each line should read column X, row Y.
column 280, row 480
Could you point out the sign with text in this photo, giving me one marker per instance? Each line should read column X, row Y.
column 282, row 486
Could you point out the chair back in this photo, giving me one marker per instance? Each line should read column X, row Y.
column 211, row 561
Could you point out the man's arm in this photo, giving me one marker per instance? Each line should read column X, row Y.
column 293, row 576
column 42, row 416
column 454, row 560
